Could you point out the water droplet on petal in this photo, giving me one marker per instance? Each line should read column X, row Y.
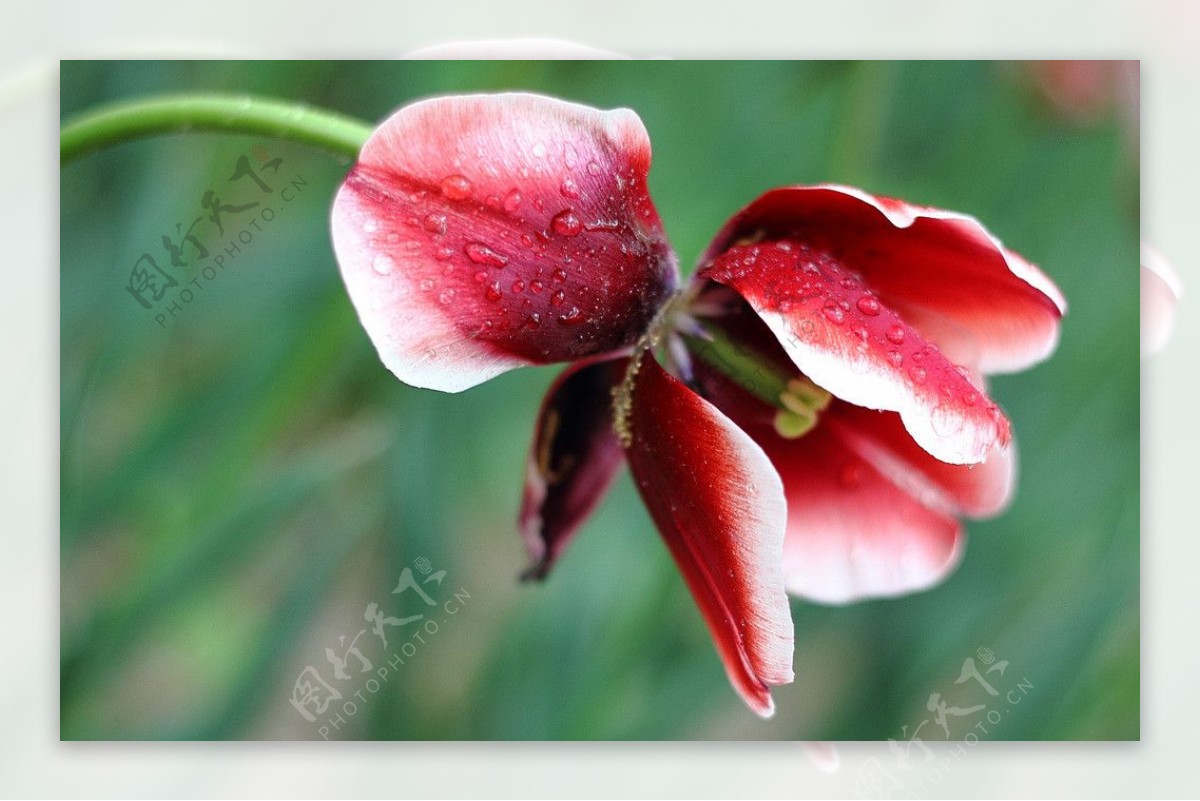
column 512, row 201
column 557, row 298
column 427, row 284
column 850, row 476
column 895, row 357
column 559, row 275
column 868, row 305
column 917, row 374
column 446, row 297
column 518, row 286
column 493, row 292
column 834, row 312
column 383, row 264
column 435, row 223
column 482, row 254
column 945, row 421
column 569, row 188
column 370, row 226
column 533, row 321
column 593, row 168
column 895, row 334
column 970, row 397
column 566, row 223
column 536, row 286
column 572, row 317
column 456, row 187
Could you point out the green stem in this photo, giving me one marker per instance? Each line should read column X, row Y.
column 244, row 114
column 748, row 370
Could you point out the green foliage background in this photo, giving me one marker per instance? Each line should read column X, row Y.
column 239, row 484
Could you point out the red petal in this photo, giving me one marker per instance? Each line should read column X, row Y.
column 719, row 506
column 859, row 525
column 573, row 459
column 852, row 533
column 977, row 490
column 477, row 234
column 940, row 270
column 844, row 339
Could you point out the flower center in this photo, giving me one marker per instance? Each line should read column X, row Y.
column 798, row 401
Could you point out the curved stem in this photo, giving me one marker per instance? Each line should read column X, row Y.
column 245, row 114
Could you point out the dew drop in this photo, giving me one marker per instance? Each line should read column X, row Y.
column 536, row 286
column 493, row 292
column 456, row 187
column 970, row 397
column 570, row 155
column 834, row 312
column 566, row 223
column 559, row 275
column 480, row 277
column 533, row 321
column 868, row 305
column 444, row 254
column 482, row 254
column 569, row 188
column 512, row 201
column 917, row 374
column 393, row 237
column 895, row 357
column 895, row 334
column 518, row 286
column 383, row 264
column 435, row 223
column 527, row 240
column 558, row 298
column 593, row 168
column 446, row 297
column 370, row 226
column 426, row 284
column 572, row 317
column 850, row 476
column 945, row 421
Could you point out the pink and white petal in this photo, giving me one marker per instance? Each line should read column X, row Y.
column 976, row 490
column 481, row 233
column 719, row 506
column 854, row 530
column 1161, row 288
column 843, row 337
column 945, row 273
column 573, row 459
column 853, row 534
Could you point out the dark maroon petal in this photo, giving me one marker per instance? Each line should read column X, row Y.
column 943, row 272
column 719, row 507
column 842, row 337
column 481, row 233
column 573, row 460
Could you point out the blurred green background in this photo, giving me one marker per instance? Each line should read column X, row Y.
column 239, row 483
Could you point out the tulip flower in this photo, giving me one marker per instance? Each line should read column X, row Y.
column 808, row 414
